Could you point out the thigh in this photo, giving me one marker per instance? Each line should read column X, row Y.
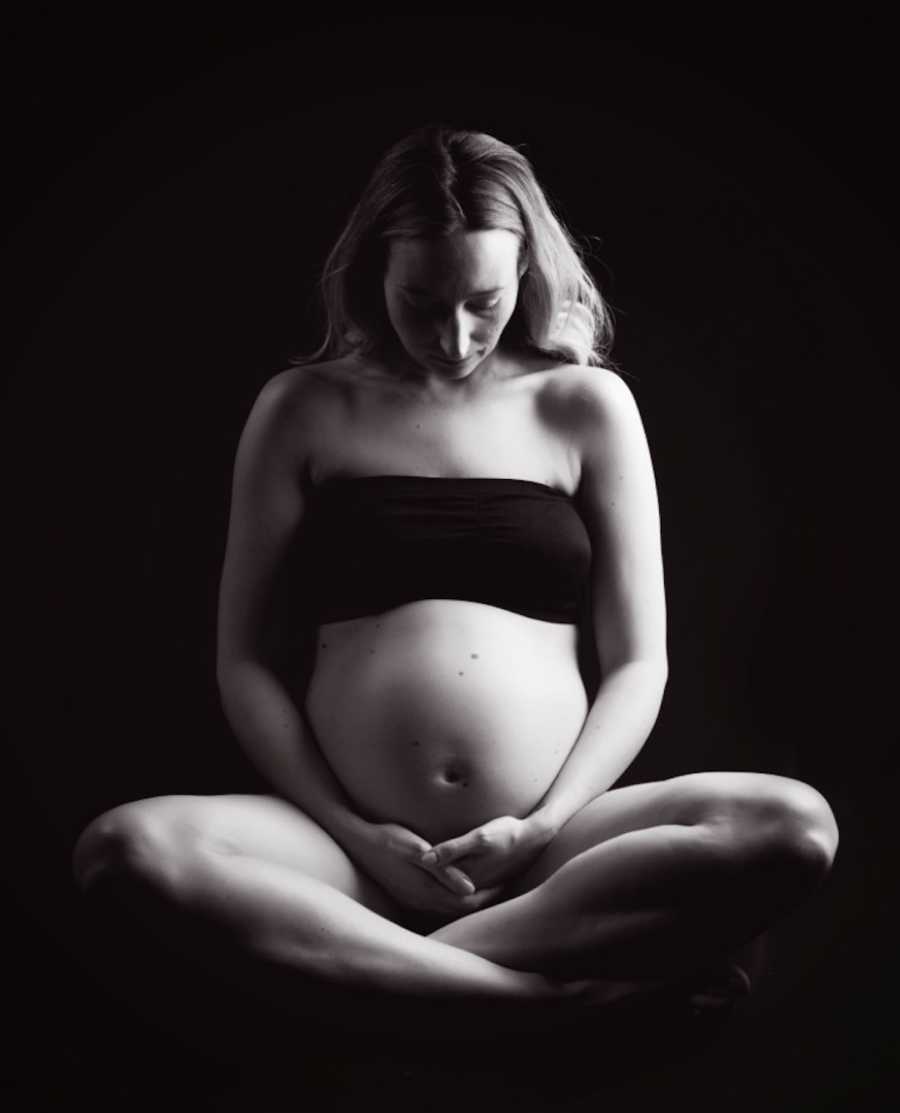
column 689, row 799
column 254, row 826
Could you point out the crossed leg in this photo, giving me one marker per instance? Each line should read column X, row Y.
column 644, row 881
column 654, row 879
column 256, row 873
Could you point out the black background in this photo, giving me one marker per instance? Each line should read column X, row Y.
column 174, row 186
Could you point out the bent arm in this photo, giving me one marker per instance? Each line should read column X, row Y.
column 267, row 509
column 619, row 501
column 274, row 734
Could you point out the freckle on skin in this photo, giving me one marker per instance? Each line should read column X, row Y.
column 462, row 674
column 474, row 656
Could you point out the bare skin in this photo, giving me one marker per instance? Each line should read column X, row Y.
column 493, row 860
column 461, row 712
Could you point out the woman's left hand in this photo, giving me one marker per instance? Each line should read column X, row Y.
column 493, row 853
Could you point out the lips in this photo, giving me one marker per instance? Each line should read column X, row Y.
column 450, row 362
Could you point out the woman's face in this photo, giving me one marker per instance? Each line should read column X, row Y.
column 450, row 299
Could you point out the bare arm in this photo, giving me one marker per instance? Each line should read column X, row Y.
column 619, row 501
column 267, row 508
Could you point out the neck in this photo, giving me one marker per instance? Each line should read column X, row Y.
column 435, row 388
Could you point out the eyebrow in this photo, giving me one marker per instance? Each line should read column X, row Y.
column 474, row 294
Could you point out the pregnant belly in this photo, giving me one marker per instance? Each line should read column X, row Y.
column 442, row 714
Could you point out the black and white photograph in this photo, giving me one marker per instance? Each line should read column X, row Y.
column 451, row 602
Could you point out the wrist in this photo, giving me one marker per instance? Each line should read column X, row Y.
column 545, row 822
column 348, row 828
column 554, row 812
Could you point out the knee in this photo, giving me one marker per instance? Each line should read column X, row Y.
column 814, row 815
column 132, row 842
column 789, row 825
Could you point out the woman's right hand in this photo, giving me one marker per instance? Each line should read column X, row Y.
column 392, row 856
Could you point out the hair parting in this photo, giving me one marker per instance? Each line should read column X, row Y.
column 440, row 180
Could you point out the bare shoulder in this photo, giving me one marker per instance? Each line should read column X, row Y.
column 296, row 390
column 294, row 412
column 300, row 401
column 585, row 401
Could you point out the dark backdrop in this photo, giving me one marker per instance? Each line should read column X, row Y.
column 175, row 188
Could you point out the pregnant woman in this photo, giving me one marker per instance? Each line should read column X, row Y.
column 456, row 477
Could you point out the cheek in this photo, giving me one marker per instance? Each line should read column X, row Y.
column 405, row 324
column 508, row 309
column 497, row 326
column 412, row 325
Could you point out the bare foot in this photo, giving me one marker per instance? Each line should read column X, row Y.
column 706, row 991
column 719, row 988
column 596, row 992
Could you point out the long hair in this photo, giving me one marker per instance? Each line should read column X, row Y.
column 440, row 180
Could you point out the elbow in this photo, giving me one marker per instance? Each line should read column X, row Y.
column 634, row 652
column 651, row 670
column 652, row 674
column 231, row 671
column 238, row 682
column 656, row 668
column 240, row 673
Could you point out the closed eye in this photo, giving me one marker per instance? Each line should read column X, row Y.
column 420, row 306
column 432, row 307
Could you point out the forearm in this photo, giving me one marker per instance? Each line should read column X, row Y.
column 272, row 731
column 614, row 731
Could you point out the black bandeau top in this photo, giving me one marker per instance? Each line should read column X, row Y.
column 376, row 542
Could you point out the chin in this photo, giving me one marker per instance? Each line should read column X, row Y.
column 465, row 365
column 452, row 369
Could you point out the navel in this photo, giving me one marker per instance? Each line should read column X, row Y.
column 453, row 773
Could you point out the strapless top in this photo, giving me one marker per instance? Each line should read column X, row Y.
column 376, row 542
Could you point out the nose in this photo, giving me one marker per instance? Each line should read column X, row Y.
column 456, row 337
